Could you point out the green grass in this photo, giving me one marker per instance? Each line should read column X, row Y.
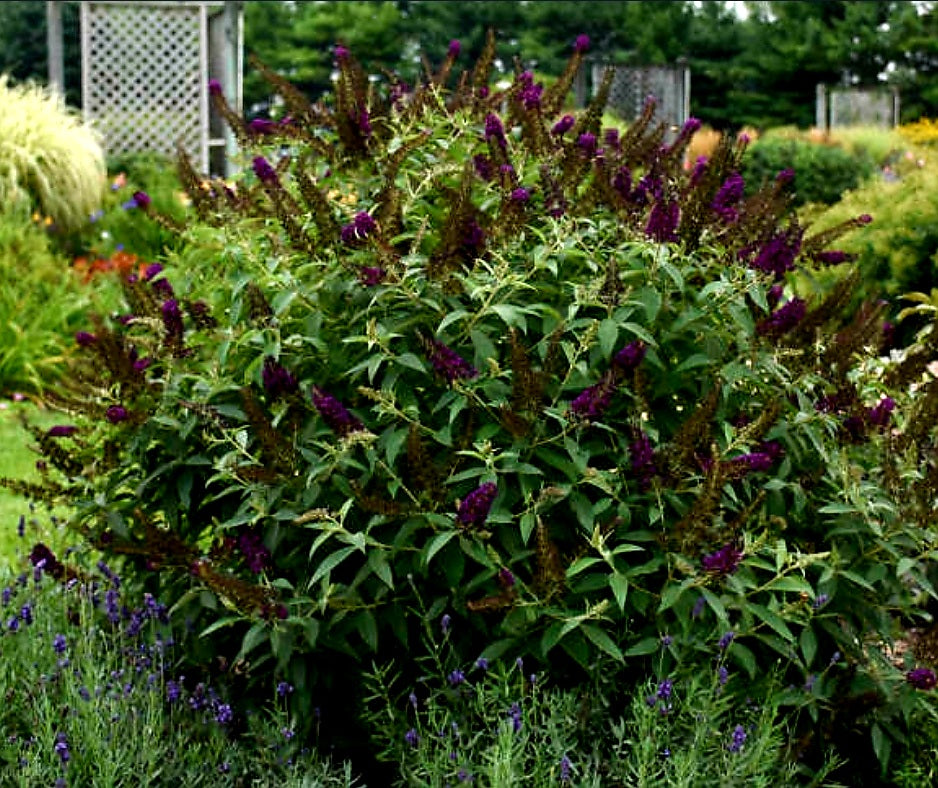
column 17, row 461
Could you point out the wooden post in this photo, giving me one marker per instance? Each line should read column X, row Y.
column 54, row 46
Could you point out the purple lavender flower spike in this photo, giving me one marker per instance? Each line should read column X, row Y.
column 642, row 455
column 783, row 319
column 582, row 43
column 592, row 402
column 563, row 125
column 880, row 414
column 726, row 202
column 116, row 414
column 494, row 130
column 922, row 678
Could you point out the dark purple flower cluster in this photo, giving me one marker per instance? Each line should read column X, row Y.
column 448, row 363
column 85, row 339
column 922, row 678
column 592, row 402
column 777, row 255
column 529, row 93
column 172, row 319
column 582, row 43
column 495, row 131
column 587, row 143
column 264, row 172
column 520, row 195
column 728, row 197
column 371, row 276
column 142, row 199
column 255, row 553
column 116, row 414
column 61, row 430
column 483, row 167
column 278, row 381
column 663, row 220
column 334, row 413
column 630, row 356
column 724, row 561
column 563, row 125
column 643, row 459
column 783, row 319
column 359, row 228
column 880, row 414
column 475, row 507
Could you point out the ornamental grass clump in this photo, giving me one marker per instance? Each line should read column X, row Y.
column 575, row 420
column 49, row 158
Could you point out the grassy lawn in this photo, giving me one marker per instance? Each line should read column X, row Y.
column 17, row 461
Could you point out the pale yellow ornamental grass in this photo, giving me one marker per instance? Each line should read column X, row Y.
column 48, row 156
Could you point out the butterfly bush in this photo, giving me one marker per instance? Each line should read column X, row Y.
column 531, row 348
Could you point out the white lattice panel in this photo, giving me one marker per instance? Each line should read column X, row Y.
column 144, row 75
column 632, row 85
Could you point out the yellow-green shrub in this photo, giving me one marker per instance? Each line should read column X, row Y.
column 48, row 156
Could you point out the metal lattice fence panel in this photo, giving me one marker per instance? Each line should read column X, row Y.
column 144, row 82
column 632, row 85
column 856, row 107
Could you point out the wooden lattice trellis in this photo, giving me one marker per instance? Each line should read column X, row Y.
column 145, row 72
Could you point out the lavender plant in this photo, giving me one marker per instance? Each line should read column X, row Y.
column 555, row 375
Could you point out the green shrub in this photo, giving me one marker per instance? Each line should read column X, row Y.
column 823, row 172
column 49, row 159
column 41, row 305
column 566, row 396
column 898, row 252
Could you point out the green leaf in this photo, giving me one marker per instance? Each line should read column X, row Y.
column 410, row 361
column 772, row 619
column 808, row 642
column 882, row 745
column 838, row 508
column 602, row 641
column 672, row 593
column 580, row 564
column 715, row 604
column 552, row 637
column 641, row 333
column 528, row 521
column 791, row 583
column 378, row 563
column 743, row 657
column 252, row 639
column 608, row 335
column 620, row 588
column 512, row 315
column 436, row 544
column 222, row 622
column 367, row 628
column 643, row 647
column 330, row 562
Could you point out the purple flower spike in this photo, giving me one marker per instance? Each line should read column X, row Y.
column 783, row 319
column 341, row 52
column 778, row 254
column 587, row 143
column 172, row 318
column 520, row 195
column 726, row 202
column 880, row 414
column 262, row 169
column 582, row 43
column 116, row 414
column 61, row 430
column 214, row 87
column 142, row 199
column 359, row 228
column 371, row 276
column 663, row 220
column 563, row 125
column 724, row 561
column 449, row 364
column 85, row 339
column 592, row 402
column 922, row 678
column 475, row 507
column 494, row 130
column 454, row 48
column 152, row 270
column 262, row 126
column 832, row 257
column 630, row 356
column 278, row 381
column 333, row 412
column 643, row 459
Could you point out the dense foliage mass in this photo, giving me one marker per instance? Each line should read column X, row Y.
column 451, row 355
